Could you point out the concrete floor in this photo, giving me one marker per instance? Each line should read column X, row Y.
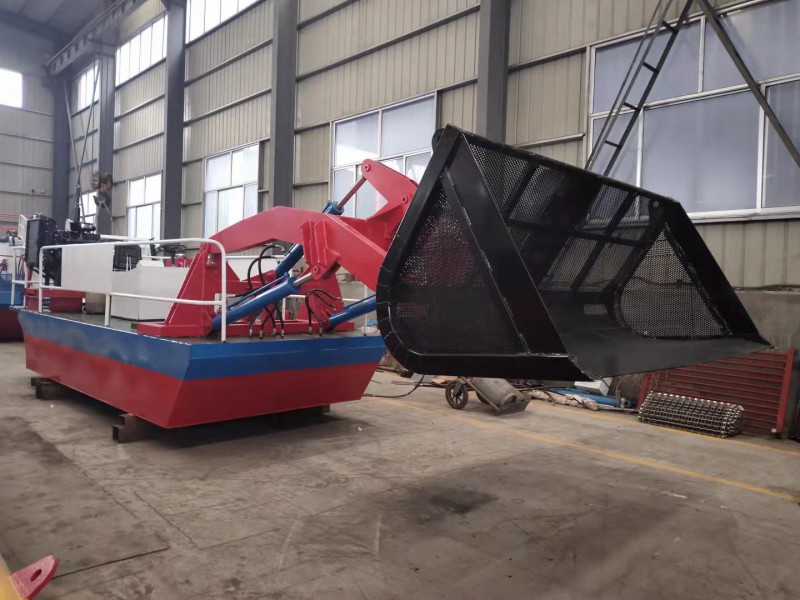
column 409, row 499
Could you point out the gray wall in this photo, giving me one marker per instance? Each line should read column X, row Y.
column 26, row 134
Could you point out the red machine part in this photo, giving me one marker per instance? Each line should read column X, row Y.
column 29, row 581
column 329, row 242
column 760, row 382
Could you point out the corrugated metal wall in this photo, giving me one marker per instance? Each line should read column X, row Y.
column 26, row 134
column 371, row 53
column 547, row 112
column 227, row 104
column 138, row 121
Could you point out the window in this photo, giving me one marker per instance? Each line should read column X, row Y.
column 702, row 138
column 88, row 208
column 87, row 87
column 10, row 88
column 142, row 51
column 399, row 136
column 205, row 15
column 144, row 207
column 231, row 189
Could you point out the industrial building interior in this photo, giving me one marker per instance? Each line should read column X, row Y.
column 399, row 299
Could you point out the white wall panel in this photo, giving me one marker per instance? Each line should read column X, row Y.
column 236, row 126
column 137, row 91
column 143, row 15
column 457, row 107
column 311, row 197
column 138, row 160
column 546, row 101
column 312, row 155
column 437, row 58
column 367, row 23
column 247, row 76
column 242, row 33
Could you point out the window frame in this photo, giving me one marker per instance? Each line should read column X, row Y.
column 129, row 76
column 230, row 186
column 86, row 79
column 760, row 211
column 379, row 111
column 239, row 11
column 128, row 206
column 21, row 76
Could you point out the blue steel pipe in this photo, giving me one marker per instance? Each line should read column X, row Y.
column 295, row 253
column 362, row 307
column 261, row 301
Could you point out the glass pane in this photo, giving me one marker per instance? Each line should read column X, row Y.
column 210, row 214
column 415, row 165
column 196, row 18
column 156, row 220
column 250, row 200
column 229, row 9
column 218, row 172
column 367, row 202
column 152, row 192
column 231, row 207
column 767, row 38
column 144, row 221
column 116, row 68
column 244, row 165
column 677, row 78
column 343, row 182
column 123, row 65
column 212, row 14
column 10, row 88
column 781, row 175
column 407, row 128
column 131, row 222
column 693, row 154
column 135, row 50
column 136, row 192
column 245, row 3
column 147, row 46
column 157, row 47
column 625, row 165
column 356, row 140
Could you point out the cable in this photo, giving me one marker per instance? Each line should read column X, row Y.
column 258, row 260
column 414, row 389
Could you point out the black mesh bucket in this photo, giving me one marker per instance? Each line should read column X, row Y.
column 510, row 264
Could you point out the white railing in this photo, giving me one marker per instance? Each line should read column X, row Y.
column 222, row 302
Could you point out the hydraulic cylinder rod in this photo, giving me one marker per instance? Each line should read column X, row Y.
column 261, row 301
column 367, row 305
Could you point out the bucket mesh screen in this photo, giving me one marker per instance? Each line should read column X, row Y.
column 443, row 294
column 594, row 242
column 509, row 264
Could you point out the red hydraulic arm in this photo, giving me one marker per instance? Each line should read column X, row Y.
column 329, row 241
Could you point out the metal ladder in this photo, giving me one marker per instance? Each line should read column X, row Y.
column 640, row 60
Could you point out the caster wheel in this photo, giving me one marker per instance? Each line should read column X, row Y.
column 456, row 394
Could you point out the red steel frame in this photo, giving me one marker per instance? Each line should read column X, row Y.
column 329, row 242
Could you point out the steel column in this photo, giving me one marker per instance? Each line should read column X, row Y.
column 105, row 156
column 284, row 72
column 61, row 150
column 494, row 19
column 172, row 176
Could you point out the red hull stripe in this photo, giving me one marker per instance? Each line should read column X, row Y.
column 171, row 402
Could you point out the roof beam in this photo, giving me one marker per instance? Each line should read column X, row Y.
column 36, row 28
column 87, row 40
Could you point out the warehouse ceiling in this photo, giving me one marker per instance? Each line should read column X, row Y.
column 58, row 20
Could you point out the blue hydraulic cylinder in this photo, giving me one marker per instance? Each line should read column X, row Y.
column 362, row 307
column 295, row 253
column 259, row 302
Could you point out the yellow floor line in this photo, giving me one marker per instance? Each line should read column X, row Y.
column 596, row 415
column 546, row 439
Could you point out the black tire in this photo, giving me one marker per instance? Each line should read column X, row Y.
column 456, row 394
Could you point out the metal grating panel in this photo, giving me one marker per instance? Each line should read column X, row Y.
column 759, row 382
